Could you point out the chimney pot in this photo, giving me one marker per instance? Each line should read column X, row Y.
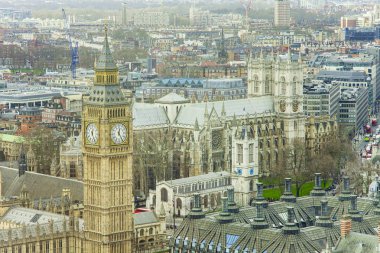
column 345, row 226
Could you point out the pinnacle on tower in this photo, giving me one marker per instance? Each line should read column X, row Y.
column 223, row 110
column 196, row 125
column 206, row 112
column 105, row 60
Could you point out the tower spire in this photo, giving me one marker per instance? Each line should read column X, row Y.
column 105, row 60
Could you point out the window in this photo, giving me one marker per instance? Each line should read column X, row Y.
column 294, row 86
column 164, row 195
column 283, row 86
column 255, row 84
column 251, row 153
column 179, row 203
column 72, row 169
column 251, row 186
column 240, row 153
column 267, row 84
column 205, row 201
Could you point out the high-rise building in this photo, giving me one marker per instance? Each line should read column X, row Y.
column 124, row 14
column 282, row 13
column 107, row 162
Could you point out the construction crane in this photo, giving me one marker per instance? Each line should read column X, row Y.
column 73, row 49
column 247, row 4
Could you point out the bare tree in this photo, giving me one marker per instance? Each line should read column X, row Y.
column 292, row 163
column 45, row 143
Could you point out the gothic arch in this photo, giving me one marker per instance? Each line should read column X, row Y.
column 251, row 184
column 283, row 86
column 205, row 201
column 294, row 87
column 266, row 85
column 255, row 84
column 213, row 200
column 164, row 195
column 179, row 203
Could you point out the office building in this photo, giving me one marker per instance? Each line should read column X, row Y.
column 282, row 13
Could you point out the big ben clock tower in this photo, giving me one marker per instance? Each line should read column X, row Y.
column 107, row 160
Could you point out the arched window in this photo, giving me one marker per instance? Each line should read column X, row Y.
column 164, row 195
column 151, row 231
column 294, row 88
column 267, row 84
column 251, row 185
column 205, row 201
column 154, row 200
column 283, row 86
column 219, row 198
column 255, row 84
column 213, row 200
column 141, row 232
column 179, row 203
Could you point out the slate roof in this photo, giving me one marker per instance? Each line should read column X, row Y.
column 144, row 218
column 172, row 98
column 302, row 235
column 106, row 95
column 240, row 107
column 12, row 185
column 200, row 178
column 358, row 243
column 145, row 115
column 33, row 222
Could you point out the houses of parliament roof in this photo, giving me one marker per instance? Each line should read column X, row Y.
column 305, row 224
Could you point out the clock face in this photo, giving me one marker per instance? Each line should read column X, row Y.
column 119, row 133
column 92, row 133
column 251, row 171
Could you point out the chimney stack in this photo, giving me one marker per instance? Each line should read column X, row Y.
column 288, row 196
column 225, row 216
column 317, row 180
column 346, row 184
column 197, row 201
column 291, row 227
column 324, row 219
column 196, row 212
column 232, row 207
column 288, row 184
column 324, row 208
column 317, row 190
column 345, row 226
column 291, row 216
column 346, row 191
column 230, row 195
